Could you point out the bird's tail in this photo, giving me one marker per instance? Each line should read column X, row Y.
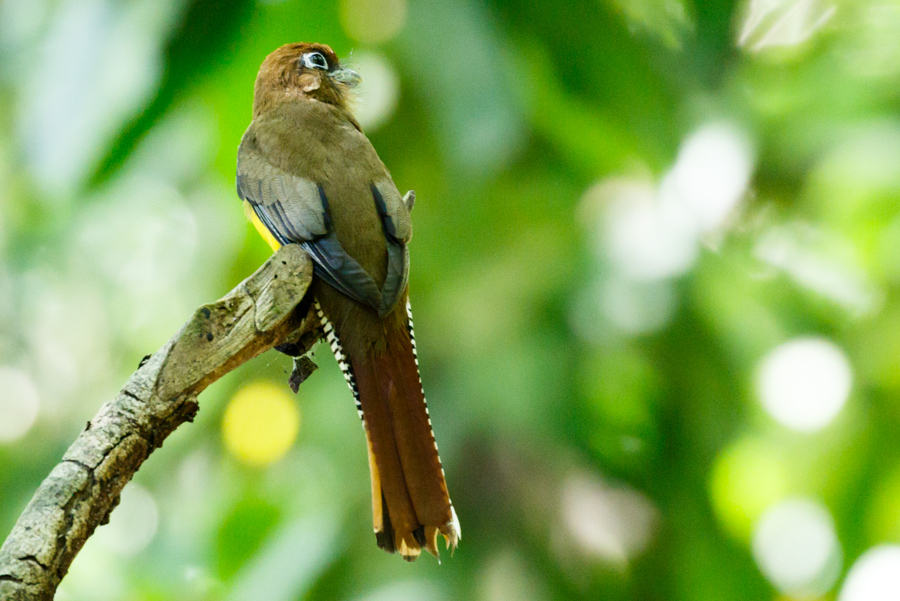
column 410, row 502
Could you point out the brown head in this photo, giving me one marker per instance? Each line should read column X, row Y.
column 297, row 71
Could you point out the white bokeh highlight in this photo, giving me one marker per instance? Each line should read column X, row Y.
column 378, row 92
column 654, row 232
column 649, row 233
column 796, row 548
column 804, row 383
column 822, row 262
column 19, row 404
column 405, row 590
column 875, row 576
column 611, row 523
column 133, row 524
column 780, row 23
column 507, row 576
column 104, row 59
column 710, row 175
column 646, row 239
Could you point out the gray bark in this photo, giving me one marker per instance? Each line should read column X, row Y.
column 82, row 490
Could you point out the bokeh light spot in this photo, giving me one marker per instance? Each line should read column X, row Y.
column 406, row 590
column 133, row 524
column 653, row 232
column 507, row 576
column 373, row 21
column 804, row 383
column 612, row 523
column 796, row 547
column 18, row 404
column 746, row 479
column 378, row 91
column 875, row 576
column 821, row 262
column 711, row 173
column 638, row 307
column 882, row 515
column 645, row 239
column 260, row 423
column 768, row 23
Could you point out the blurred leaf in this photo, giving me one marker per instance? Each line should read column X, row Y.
column 242, row 533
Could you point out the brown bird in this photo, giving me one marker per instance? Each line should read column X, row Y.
column 308, row 175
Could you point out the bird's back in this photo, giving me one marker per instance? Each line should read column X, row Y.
column 316, row 141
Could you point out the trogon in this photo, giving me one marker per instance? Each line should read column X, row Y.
column 308, row 175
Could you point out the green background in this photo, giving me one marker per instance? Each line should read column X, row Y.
column 592, row 356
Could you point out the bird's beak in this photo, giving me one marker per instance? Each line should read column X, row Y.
column 348, row 77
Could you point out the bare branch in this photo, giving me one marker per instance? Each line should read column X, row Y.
column 82, row 490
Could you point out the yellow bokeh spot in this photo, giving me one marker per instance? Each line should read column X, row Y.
column 746, row 479
column 260, row 423
column 883, row 516
column 373, row 21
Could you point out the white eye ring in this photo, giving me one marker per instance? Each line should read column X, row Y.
column 315, row 60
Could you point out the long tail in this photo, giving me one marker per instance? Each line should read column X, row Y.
column 410, row 503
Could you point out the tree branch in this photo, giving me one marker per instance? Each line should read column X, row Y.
column 263, row 311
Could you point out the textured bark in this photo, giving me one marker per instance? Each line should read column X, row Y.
column 263, row 311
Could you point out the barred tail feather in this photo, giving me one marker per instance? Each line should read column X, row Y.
column 410, row 502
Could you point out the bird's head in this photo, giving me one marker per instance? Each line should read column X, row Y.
column 303, row 71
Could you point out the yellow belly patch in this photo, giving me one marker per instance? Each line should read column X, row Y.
column 260, row 226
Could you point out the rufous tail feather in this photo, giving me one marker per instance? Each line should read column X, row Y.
column 410, row 503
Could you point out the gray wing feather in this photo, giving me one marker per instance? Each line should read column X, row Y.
column 295, row 210
column 394, row 212
column 397, row 277
column 397, row 231
column 292, row 203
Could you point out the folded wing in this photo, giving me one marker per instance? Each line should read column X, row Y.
column 295, row 210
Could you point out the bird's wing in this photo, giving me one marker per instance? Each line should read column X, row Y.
column 397, row 231
column 295, row 210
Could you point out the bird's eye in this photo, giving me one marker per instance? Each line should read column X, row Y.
column 315, row 60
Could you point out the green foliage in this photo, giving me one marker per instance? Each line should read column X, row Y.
column 242, row 533
column 625, row 211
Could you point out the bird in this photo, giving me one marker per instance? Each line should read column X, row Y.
column 308, row 175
